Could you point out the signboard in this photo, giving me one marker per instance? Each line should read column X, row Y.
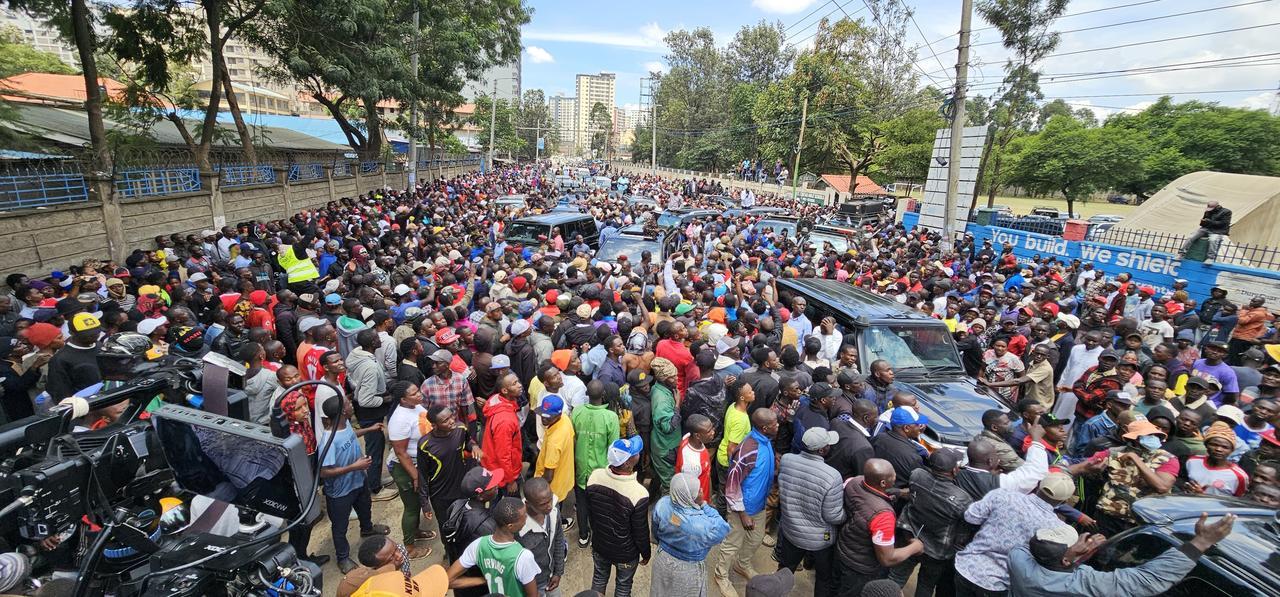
column 813, row 198
column 1241, row 285
column 935, row 188
column 808, row 178
column 542, row 143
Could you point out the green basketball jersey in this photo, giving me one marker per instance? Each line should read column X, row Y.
column 498, row 563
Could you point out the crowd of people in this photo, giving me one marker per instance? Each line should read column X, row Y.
column 683, row 412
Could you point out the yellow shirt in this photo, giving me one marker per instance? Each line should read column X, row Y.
column 557, row 454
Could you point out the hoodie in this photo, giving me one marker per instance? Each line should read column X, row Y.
column 348, row 327
column 503, row 448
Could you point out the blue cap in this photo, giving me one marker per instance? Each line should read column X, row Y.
column 624, row 449
column 905, row 415
column 333, row 299
column 552, row 405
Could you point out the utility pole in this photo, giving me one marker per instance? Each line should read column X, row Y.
column 413, row 110
column 957, row 129
column 537, row 136
column 795, row 172
column 493, row 119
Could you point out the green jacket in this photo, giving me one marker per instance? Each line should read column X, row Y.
column 596, row 428
column 666, row 433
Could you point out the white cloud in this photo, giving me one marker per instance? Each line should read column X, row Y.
column 785, row 7
column 648, row 37
column 655, row 66
column 538, row 55
column 1261, row 101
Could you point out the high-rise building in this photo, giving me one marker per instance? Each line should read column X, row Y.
column 592, row 90
column 507, row 78
column 39, row 35
column 564, row 112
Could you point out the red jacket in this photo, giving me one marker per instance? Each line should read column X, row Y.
column 503, row 448
column 679, row 355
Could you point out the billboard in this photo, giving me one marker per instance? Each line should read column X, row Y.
column 935, row 187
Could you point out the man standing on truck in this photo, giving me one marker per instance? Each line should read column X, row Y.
column 1215, row 224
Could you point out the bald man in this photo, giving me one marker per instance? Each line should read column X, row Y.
column 866, row 542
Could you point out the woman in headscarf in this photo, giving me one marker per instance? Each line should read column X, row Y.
column 686, row 528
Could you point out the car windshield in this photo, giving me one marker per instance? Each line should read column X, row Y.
column 778, row 226
column 669, row 220
column 631, row 247
column 527, row 231
column 838, row 242
column 925, row 348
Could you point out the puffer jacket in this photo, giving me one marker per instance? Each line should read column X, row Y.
column 812, row 501
column 619, row 508
column 937, row 510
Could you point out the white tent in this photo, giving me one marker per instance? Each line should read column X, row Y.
column 1254, row 202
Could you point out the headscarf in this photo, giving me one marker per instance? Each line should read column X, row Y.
column 685, row 489
column 663, row 368
column 299, row 428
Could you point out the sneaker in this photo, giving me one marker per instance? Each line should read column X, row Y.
column 317, row 559
column 725, row 586
column 584, row 541
column 417, row 551
column 377, row 529
column 566, row 523
column 346, row 565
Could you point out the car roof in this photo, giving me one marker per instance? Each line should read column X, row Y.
column 854, row 301
column 554, row 218
column 1247, row 551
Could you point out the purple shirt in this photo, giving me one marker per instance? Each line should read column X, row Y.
column 1225, row 374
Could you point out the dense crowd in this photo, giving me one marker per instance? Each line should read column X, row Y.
column 680, row 412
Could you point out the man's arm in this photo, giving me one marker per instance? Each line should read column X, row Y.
column 1025, row 478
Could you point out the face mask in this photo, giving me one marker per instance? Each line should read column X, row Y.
column 1150, row 442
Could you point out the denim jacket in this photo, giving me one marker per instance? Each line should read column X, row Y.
column 687, row 533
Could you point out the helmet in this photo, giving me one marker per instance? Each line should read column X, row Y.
column 120, row 353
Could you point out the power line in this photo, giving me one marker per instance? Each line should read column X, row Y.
column 885, row 31
column 928, row 45
column 1156, row 41
column 810, row 25
column 1070, row 14
column 1263, row 60
column 806, row 17
column 1162, row 93
column 1146, row 20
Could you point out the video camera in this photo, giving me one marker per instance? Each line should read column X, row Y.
column 105, row 486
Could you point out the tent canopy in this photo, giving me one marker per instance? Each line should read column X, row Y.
column 1254, row 202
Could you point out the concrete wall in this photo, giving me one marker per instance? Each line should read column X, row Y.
column 37, row 241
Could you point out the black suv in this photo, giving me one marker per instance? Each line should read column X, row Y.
column 634, row 240
column 1247, row 562
column 525, row 231
column 920, row 348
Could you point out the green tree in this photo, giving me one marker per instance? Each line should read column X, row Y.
column 505, row 139
column 908, row 146
column 1069, row 158
column 600, row 126
column 533, row 120
column 17, row 57
column 1024, row 29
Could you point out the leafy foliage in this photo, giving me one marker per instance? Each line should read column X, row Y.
column 17, row 57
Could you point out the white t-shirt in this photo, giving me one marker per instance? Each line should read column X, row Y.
column 526, row 566
column 404, row 424
column 1154, row 332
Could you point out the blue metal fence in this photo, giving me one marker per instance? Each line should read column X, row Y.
column 369, row 167
column 342, row 170
column 245, row 175
column 306, row 172
column 41, row 187
column 149, row 182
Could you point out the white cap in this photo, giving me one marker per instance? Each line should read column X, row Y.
column 148, row 326
column 402, row 289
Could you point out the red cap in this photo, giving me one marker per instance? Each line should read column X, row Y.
column 446, row 336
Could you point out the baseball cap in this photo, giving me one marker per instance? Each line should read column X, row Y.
column 479, row 480
column 1269, row 436
column 500, row 361
column 725, row 344
column 817, row 438
column 188, row 338
column 518, row 327
column 83, row 322
column 332, row 299
column 1232, row 413
column 442, row 356
column 1058, row 487
column 1216, row 344
column 820, row 390
column 401, row 289
column 1061, row 534
column 446, row 336
column 196, row 277
column 1049, row 420
column 1108, row 354
column 552, row 405
column 1141, row 427
column 1120, row 396
column 683, row 308
column 115, row 282
column 1203, row 380
column 624, row 449
column 148, row 326
column 905, row 415
column 778, row 584
column 309, row 323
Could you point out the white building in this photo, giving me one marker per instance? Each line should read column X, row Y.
column 39, row 35
column 505, row 76
column 564, row 112
column 593, row 89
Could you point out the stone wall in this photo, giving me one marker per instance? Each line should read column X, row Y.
column 37, row 241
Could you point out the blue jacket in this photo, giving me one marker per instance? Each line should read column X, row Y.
column 755, row 488
column 688, row 534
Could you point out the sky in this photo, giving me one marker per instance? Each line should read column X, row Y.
column 565, row 38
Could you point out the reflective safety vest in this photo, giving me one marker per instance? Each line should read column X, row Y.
column 299, row 270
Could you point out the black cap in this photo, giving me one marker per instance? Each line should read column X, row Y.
column 820, row 390
column 1048, row 420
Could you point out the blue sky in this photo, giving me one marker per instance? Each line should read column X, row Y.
column 569, row 37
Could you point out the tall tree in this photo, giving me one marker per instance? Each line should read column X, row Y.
column 505, row 139
column 533, row 120
column 1069, row 158
column 600, row 126
column 1024, row 30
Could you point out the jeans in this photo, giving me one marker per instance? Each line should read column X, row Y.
column 741, row 544
column 965, row 588
column 824, row 564
column 340, row 518
column 851, row 582
column 412, row 514
column 622, row 584
column 936, row 577
column 584, row 511
column 375, row 445
column 1215, row 240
